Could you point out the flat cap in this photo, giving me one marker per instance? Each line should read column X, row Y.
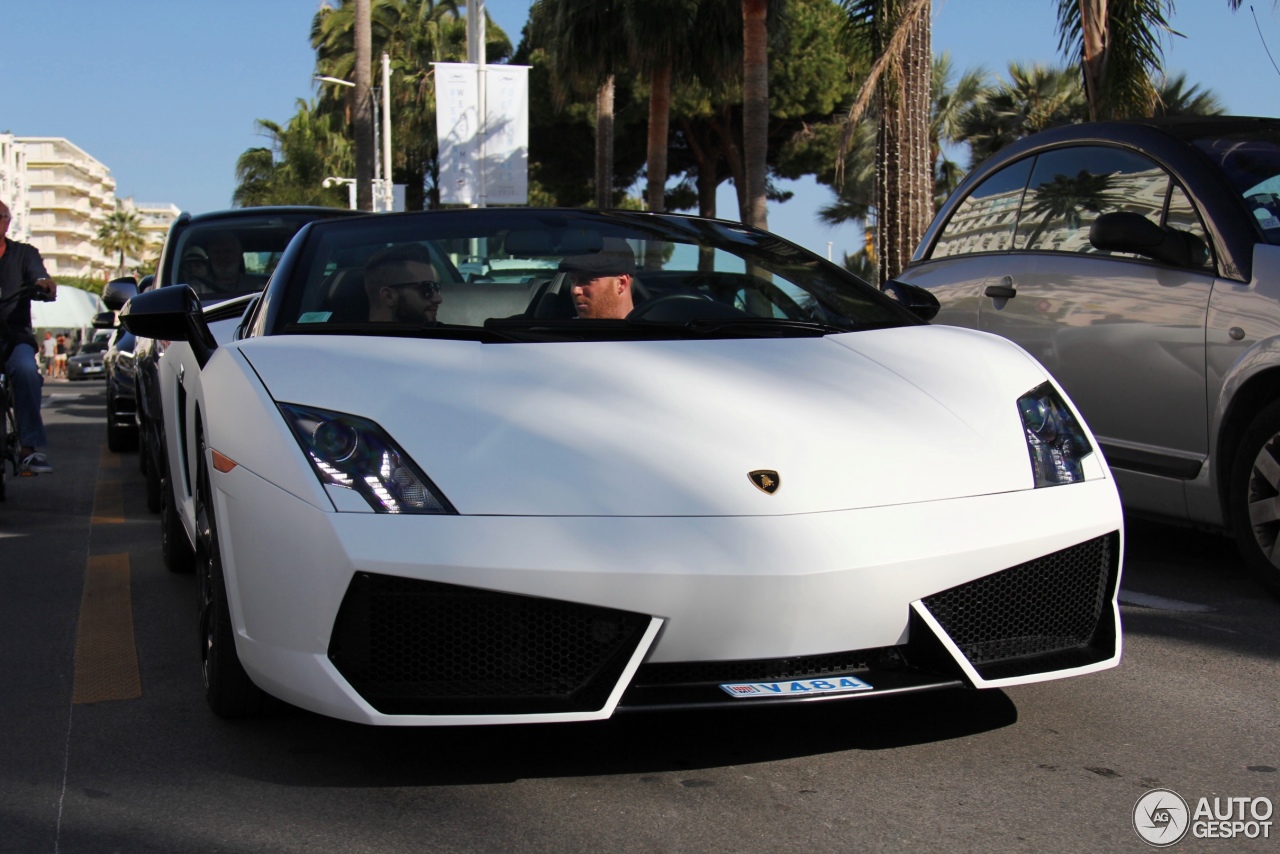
column 614, row 259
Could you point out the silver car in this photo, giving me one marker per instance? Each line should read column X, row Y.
column 1140, row 263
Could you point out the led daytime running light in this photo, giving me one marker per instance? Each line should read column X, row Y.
column 354, row 453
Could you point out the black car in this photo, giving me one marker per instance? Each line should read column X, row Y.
column 122, row 426
column 86, row 364
column 223, row 256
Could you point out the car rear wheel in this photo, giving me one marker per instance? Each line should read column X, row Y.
column 227, row 688
column 1255, row 498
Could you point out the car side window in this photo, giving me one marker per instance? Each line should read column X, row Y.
column 1070, row 187
column 1182, row 215
column 985, row 221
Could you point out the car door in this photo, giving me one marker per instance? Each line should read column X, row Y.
column 1123, row 334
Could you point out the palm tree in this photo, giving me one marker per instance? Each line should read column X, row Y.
column 291, row 170
column 587, row 45
column 1033, row 99
column 1116, row 43
column 755, row 111
column 895, row 34
column 1179, row 99
column 120, row 234
column 948, row 105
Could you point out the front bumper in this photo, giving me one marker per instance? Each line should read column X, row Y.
column 447, row 620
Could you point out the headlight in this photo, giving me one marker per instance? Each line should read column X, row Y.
column 1055, row 440
column 356, row 454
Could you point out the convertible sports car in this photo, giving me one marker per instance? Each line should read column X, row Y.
column 624, row 461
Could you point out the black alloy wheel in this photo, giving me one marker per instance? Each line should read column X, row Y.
column 227, row 688
column 1254, row 504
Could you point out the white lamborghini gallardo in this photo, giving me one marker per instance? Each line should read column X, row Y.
column 514, row 465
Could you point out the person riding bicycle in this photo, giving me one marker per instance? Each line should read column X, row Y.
column 22, row 267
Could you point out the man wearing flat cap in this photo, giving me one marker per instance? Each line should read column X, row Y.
column 600, row 282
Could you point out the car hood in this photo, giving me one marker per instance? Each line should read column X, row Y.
column 659, row 428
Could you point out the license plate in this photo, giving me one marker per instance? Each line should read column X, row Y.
column 797, row 687
column 93, row 369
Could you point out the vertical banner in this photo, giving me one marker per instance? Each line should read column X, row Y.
column 457, row 132
column 505, row 151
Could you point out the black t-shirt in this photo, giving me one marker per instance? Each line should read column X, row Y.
column 20, row 265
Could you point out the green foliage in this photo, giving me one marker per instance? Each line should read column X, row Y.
column 292, row 170
column 121, row 235
column 1133, row 54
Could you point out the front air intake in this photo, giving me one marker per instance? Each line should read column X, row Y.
column 1051, row 613
column 426, row 648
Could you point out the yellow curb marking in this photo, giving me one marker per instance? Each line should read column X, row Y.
column 108, row 503
column 106, row 658
column 108, row 459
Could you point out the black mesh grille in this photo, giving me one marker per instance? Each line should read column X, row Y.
column 1049, row 613
column 763, row 670
column 421, row 647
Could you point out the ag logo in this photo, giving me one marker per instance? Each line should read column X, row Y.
column 766, row 480
column 1161, row 817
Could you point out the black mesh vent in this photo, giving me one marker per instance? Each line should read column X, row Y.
column 763, row 670
column 1047, row 614
column 421, row 647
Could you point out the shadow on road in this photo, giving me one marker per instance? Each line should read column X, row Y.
column 300, row 749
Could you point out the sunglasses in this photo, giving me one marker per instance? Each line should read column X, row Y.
column 425, row 288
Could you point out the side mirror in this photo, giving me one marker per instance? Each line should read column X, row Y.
column 146, row 283
column 1125, row 231
column 104, row 320
column 171, row 314
column 118, row 291
column 915, row 299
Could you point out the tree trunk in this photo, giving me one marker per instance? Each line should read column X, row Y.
column 604, row 144
column 1095, row 28
column 755, row 112
column 659, row 123
column 904, row 183
column 363, row 118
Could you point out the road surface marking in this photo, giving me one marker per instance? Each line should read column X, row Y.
column 106, row 657
column 108, row 503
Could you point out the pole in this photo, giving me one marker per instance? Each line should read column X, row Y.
column 476, row 54
column 388, row 202
column 363, row 114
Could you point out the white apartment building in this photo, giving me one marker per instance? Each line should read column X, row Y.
column 60, row 195
column 13, row 186
column 155, row 219
column 69, row 193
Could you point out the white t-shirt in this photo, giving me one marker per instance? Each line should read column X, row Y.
column 50, row 347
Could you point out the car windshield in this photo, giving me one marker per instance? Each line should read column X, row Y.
column 1251, row 162
column 540, row 275
column 230, row 257
column 93, row 347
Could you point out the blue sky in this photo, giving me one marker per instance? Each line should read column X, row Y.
column 165, row 92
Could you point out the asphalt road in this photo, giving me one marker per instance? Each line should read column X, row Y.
column 1057, row 766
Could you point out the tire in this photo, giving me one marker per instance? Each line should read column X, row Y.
column 1255, row 483
column 227, row 688
column 155, row 483
column 174, row 547
column 119, row 438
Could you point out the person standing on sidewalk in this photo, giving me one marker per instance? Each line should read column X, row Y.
column 50, row 346
column 21, row 266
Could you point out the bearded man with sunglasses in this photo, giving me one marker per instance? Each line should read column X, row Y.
column 402, row 286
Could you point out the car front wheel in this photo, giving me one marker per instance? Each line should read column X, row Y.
column 227, row 688
column 1255, row 498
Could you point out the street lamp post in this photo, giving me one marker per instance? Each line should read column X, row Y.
column 383, row 187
